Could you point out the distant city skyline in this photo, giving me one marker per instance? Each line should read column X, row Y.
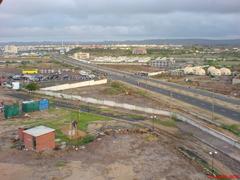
column 102, row 20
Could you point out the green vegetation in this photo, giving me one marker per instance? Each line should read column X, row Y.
column 193, row 156
column 167, row 123
column 62, row 119
column 117, row 88
column 32, row 86
column 135, row 116
column 60, row 163
column 234, row 128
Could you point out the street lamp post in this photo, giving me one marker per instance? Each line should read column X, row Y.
column 212, row 154
column 153, row 118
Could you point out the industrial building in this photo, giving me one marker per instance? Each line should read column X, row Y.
column 162, row 63
column 38, row 139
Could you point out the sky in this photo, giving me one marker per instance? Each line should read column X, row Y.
column 98, row 20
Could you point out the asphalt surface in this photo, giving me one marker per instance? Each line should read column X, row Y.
column 221, row 97
column 134, row 80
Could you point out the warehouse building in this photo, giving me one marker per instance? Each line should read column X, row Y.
column 38, row 139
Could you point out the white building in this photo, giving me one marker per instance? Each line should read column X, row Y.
column 81, row 55
column 162, row 62
column 225, row 72
column 11, row 49
column 198, row 70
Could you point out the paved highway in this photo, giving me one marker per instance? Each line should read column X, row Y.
column 115, row 75
column 221, row 97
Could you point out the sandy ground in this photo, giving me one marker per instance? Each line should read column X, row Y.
column 116, row 157
column 101, row 92
column 132, row 157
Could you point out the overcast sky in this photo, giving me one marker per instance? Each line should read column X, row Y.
column 89, row 20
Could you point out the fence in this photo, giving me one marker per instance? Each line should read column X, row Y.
column 75, row 85
column 210, row 131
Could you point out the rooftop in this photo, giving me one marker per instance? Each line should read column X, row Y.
column 39, row 130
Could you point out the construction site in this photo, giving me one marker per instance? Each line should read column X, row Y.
column 101, row 142
column 98, row 124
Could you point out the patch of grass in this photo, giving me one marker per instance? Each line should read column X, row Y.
column 168, row 123
column 151, row 138
column 64, row 117
column 60, row 163
column 203, row 163
column 79, row 142
column 136, row 116
column 117, row 88
column 234, row 128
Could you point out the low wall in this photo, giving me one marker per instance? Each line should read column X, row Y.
column 74, row 85
column 156, row 73
column 208, row 130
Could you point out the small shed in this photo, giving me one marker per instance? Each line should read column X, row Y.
column 39, row 138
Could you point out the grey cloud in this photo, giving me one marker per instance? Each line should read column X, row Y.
column 125, row 19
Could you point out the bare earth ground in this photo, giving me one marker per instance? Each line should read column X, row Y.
column 113, row 157
column 101, row 92
column 128, row 156
column 222, row 85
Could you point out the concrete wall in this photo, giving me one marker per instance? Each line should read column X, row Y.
column 156, row 73
column 146, row 110
column 75, row 85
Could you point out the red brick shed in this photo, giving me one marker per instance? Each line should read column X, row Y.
column 39, row 138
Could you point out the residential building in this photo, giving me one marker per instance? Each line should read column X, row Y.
column 162, row 62
column 11, row 49
column 139, row 51
column 81, row 55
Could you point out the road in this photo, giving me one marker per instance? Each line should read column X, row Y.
column 134, row 80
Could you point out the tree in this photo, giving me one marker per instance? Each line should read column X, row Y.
column 32, row 87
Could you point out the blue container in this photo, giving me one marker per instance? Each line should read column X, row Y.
column 43, row 104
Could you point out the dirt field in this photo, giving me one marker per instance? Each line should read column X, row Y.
column 112, row 157
column 222, row 85
column 120, row 93
column 117, row 156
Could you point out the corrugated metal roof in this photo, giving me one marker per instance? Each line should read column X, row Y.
column 39, row 130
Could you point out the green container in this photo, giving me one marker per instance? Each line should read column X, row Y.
column 30, row 106
column 11, row 111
